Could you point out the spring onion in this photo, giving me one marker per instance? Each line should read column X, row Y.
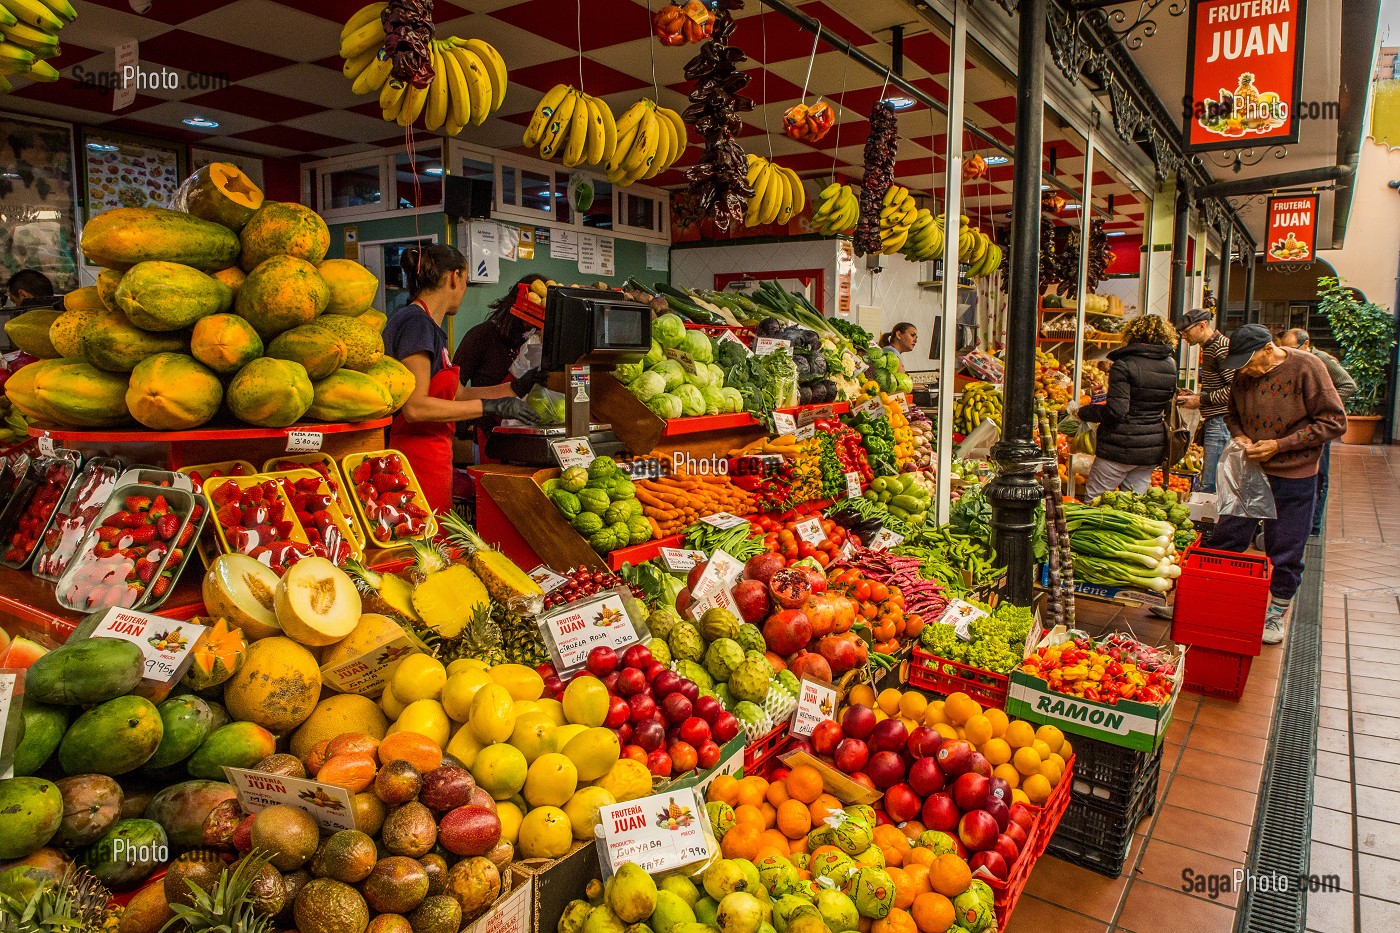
column 1109, row 572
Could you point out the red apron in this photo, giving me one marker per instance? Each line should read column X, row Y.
column 428, row 444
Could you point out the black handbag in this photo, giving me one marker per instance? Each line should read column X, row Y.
column 1178, row 441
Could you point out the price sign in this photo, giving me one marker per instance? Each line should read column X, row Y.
column 577, row 628
column 900, row 400
column 960, row 615
column 806, row 432
column 853, row 485
column 712, row 590
column 871, row 408
column 328, row 804
column 680, row 560
column 11, row 727
column 304, row 442
column 572, row 452
column 813, row 414
column 885, row 540
column 368, row 674
column 723, row 520
column 816, row 702
column 659, row 833
column 784, row 422
column 548, row 580
column 811, row 531
column 167, row 644
column 766, row 345
column 46, row 447
column 848, row 549
column 685, row 359
column 729, row 336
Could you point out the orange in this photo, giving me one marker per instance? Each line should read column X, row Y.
column 742, row 841
column 1019, row 796
column 823, row 850
column 724, row 788
column 752, row 790
column 1026, row 761
column 861, row 695
column 1019, row 734
column 766, row 849
column 945, row 730
column 917, row 873
column 417, row 749
column 1037, row 788
column 889, row 700
column 999, row 721
column 978, row 729
column 903, row 890
column 896, row 921
column 948, row 875
column 794, row 819
column 892, row 856
column 923, row 857
column 770, row 814
column 1009, row 774
column 959, row 708
column 935, row 713
column 888, row 835
column 772, row 839
column 797, row 845
column 997, row 752
column 933, row 913
column 1051, row 770
column 751, row 815
column 777, row 792
column 804, row 783
column 912, row 705
column 1052, row 737
column 822, row 807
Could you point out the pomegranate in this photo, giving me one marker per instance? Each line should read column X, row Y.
column 811, row 665
column 761, row 567
column 790, row 588
column 751, row 597
column 821, row 612
column 787, row 631
column 840, row 652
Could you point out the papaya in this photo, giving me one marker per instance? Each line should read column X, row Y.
column 44, row 726
column 217, row 657
column 173, row 392
column 283, row 228
column 77, row 394
column 119, row 736
column 181, row 809
column 31, row 810
column 107, row 282
column 233, row 277
column 236, row 745
column 164, row 296
column 30, row 332
column 395, row 377
column 225, row 343
column 376, row 319
column 122, row 237
column 19, row 388
column 270, row 393
column 280, row 294
column 85, row 672
column 364, row 345
column 353, row 287
column 185, row 722
column 220, row 193
column 315, row 348
column 128, row 853
column 346, row 395
column 66, row 331
column 113, row 343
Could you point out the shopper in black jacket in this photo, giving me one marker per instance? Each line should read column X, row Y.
column 1132, row 436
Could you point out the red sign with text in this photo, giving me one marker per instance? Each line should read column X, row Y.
column 1245, row 73
column 1292, row 235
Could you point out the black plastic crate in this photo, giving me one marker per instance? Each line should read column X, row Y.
column 1111, row 773
column 1097, row 837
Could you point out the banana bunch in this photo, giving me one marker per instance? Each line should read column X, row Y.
column 574, row 125
column 469, row 82
column 650, row 138
column 28, row 36
column 837, row 211
column 925, row 239
column 778, row 195
column 978, row 250
column 897, row 215
column 980, row 401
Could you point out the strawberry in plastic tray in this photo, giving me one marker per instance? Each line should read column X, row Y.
column 253, row 519
column 320, row 515
column 124, row 555
column 54, row 475
column 390, row 501
column 198, row 475
column 323, row 465
column 75, row 516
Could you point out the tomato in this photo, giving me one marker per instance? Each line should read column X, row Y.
column 879, row 592
column 862, row 591
column 828, row 526
column 827, row 546
column 789, row 552
column 805, row 549
column 822, row 557
column 786, row 537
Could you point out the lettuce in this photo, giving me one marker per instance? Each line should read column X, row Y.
column 669, row 331
column 692, row 402
column 671, row 372
column 647, row 385
column 715, row 402
column 700, row 378
column 655, row 355
column 626, row 372
column 698, row 345
column 734, row 400
column 665, row 406
column 716, row 374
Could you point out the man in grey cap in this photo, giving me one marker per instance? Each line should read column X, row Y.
column 1283, row 410
column 1346, row 388
column 1198, row 329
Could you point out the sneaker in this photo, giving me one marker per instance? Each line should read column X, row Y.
column 1274, row 625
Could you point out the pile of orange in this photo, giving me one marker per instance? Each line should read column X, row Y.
column 772, row 818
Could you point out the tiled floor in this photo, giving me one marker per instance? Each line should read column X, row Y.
column 1215, row 752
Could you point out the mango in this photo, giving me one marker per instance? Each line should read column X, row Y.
column 173, row 392
column 270, row 393
column 164, row 296
column 114, row 738
column 31, row 810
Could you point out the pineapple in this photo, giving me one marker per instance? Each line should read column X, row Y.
column 386, row 593
column 1246, row 91
column 228, row 908
column 428, row 559
column 449, row 599
column 479, row 638
column 73, row 903
column 520, row 637
column 508, row 584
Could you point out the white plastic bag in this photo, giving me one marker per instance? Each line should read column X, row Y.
column 1241, row 487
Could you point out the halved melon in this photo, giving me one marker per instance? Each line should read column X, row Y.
column 316, row 603
column 217, row 657
column 220, row 193
column 241, row 590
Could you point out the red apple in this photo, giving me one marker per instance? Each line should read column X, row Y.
column 652, row 670
column 858, row 722
column 889, row 735
column 602, row 661
column 683, row 757
column 863, row 779
column 926, row 777
column 649, row 735
column 725, row 727
column 553, row 687
column 1007, row 848
column 659, row 763
column 969, row 791
column 978, row 830
column 706, row 754
column 630, row 682
column 677, row 709
column 826, row 735
column 624, row 733
column 954, row 757
column 695, row 731
column 940, row 812
column 1023, row 815
column 883, row 819
column 991, row 861
column 902, row 803
column 618, row 712
column 851, row 755
column 799, row 744
column 708, row 709
column 924, row 742
column 886, row 769
column 999, row 811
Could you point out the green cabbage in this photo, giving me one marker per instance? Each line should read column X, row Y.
column 734, row 399
column 627, row 372
column 692, row 402
column 655, row 355
column 715, row 402
column 647, row 385
column 669, row 331
column 665, row 406
column 698, row 345
column 670, row 371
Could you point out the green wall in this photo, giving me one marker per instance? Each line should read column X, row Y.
column 629, row 259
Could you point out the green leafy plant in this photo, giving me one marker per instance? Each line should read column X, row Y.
column 226, row 908
column 74, row 902
column 1366, row 333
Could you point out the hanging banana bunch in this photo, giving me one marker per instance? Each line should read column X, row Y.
column 28, row 36
column 650, row 138
column 838, row 209
column 897, row 214
column 925, row 240
column 573, row 125
column 778, row 195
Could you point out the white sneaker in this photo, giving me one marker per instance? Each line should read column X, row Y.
column 1274, row 625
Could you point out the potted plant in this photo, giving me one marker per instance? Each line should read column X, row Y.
column 1366, row 333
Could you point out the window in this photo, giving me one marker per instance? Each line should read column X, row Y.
column 358, row 187
column 507, row 189
column 418, row 180
column 535, row 191
column 642, row 210
column 600, row 215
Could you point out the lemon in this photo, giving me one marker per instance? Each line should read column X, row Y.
column 889, row 700
column 999, row 721
column 1026, row 761
column 1009, row 774
column 524, row 683
column 1051, row 736
column 460, row 689
column 586, row 701
column 1019, row 734
column 501, row 770
column 425, row 717
column 510, row 816
column 997, row 752
column 419, row 677
column 1037, row 788
column 978, row 729
column 912, row 705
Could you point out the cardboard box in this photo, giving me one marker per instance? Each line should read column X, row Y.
column 560, row 881
column 1202, row 506
column 834, row 782
column 514, row 911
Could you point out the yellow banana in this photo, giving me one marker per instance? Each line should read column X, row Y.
column 609, row 131
column 544, row 110
column 632, row 118
column 43, row 44
column 664, row 145
column 788, row 199
column 33, row 13
column 755, row 167
column 478, row 84
column 799, row 193
column 576, row 145
column 459, row 99
column 558, row 128
column 624, row 146
column 354, row 66
column 495, row 67
column 43, row 71
column 413, row 102
column 435, row 114
column 391, row 99
column 596, row 132
column 372, row 79
column 678, row 133
column 773, row 195
column 363, row 15
column 62, row 9
column 644, row 148
column 6, row 17
column 753, row 211
column 368, row 36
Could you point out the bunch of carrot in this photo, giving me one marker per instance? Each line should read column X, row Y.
column 674, row 503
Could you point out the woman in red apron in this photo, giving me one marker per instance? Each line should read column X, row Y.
column 437, row 278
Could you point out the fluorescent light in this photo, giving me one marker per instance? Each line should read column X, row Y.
column 9, row 174
column 1117, row 233
column 1044, row 187
column 103, row 147
column 203, row 123
column 433, row 170
column 900, row 102
column 1071, row 207
column 997, row 159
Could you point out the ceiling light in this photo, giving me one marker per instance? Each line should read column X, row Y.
column 1117, row 233
column 1044, row 187
column 103, row 147
column 433, row 170
column 1071, row 207
column 9, row 174
column 203, row 123
column 997, row 159
column 900, row 102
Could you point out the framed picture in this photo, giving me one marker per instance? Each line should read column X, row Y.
column 127, row 171
column 38, row 223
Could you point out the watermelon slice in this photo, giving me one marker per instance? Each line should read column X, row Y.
column 22, row 653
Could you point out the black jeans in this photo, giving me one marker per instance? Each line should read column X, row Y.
column 1284, row 537
column 1324, row 465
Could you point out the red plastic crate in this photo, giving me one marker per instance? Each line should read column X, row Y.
column 1216, row 673
column 930, row 672
column 1006, row 893
column 758, row 752
column 1221, row 598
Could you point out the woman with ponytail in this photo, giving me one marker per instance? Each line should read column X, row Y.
column 437, row 278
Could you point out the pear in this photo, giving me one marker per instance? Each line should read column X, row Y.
column 632, row 893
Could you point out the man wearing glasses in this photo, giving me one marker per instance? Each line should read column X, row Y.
column 1198, row 329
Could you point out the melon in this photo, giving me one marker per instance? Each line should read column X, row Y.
column 240, row 589
column 337, row 715
column 316, row 602
column 277, row 686
column 371, row 633
column 218, row 656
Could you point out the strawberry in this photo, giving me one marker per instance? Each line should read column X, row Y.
column 197, row 481
column 230, row 516
column 322, row 519
column 146, row 570
column 167, row 526
column 144, row 535
column 187, row 535
column 160, row 506
column 226, row 494
column 253, row 495
column 366, row 492
column 314, row 536
column 392, row 464
column 109, row 533
column 403, row 530
column 361, row 473
column 116, row 520
column 196, row 512
column 237, row 470
column 103, row 549
column 135, row 519
column 161, row 587
column 308, row 484
column 137, row 503
column 391, row 482
column 283, row 530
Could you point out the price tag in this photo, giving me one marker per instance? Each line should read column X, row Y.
column 167, row 644
column 685, row 359
column 848, row 549
column 763, row 346
column 816, row 702
column 713, row 589
column 960, row 614
column 46, row 447
column 11, row 727
column 811, row 531
column 548, row 580
column 729, row 336
column 784, row 422
column 853, row 485
column 659, row 833
column 304, row 442
column 572, row 452
column 885, row 540
column 368, row 674
column 680, row 560
column 871, row 408
column 328, row 804
column 899, row 399
column 806, row 432
column 814, row 413
column 723, row 520
column 577, row 628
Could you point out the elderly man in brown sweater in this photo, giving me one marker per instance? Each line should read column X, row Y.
column 1283, row 409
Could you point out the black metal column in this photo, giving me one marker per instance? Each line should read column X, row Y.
column 1181, row 232
column 1223, row 299
column 1016, row 491
column 1249, row 315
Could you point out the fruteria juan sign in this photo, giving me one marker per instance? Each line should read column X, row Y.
column 1244, row 74
column 1292, row 229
